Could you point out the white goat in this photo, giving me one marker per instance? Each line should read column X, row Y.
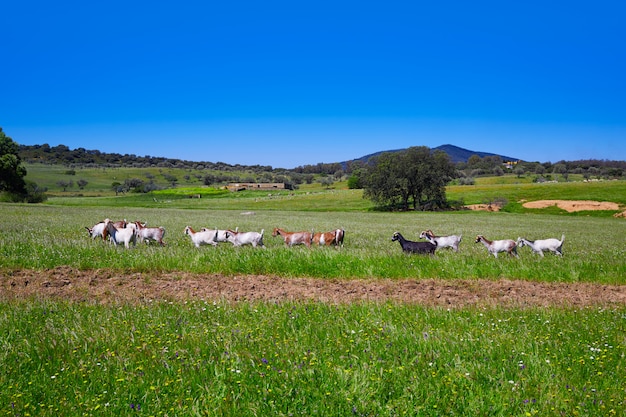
column 451, row 241
column 150, row 233
column 245, row 238
column 203, row 237
column 538, row 246
column 97, row 230
column 124, row 235
column 495, row 246
column 220, row 235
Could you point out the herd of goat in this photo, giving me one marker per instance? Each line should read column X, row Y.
column 127, row 233
column 123, row 232
column 494, row 247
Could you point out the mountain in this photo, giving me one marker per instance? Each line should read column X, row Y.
column 462, row 155
column 455, row 153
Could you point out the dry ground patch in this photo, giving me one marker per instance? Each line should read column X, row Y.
column 572, row 206
column 108, row 286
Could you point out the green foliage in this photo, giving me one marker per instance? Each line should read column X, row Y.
column 412, row 177
column 12, row 173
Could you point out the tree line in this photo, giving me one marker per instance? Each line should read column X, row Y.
column 414, row 178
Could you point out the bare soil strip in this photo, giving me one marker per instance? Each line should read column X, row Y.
column 108, row 286
column 572, row 206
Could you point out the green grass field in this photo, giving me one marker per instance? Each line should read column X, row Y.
column 218, row 359
column 46, row 236
column 205, row 357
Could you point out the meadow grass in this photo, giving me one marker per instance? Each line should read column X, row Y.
column 315, row 198
column 260, row 359
column 44, row 236
column 308, row 197
column 257, row 359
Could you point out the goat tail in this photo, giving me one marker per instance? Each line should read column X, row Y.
column 562, row 237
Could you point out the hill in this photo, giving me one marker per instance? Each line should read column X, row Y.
column 456, row 154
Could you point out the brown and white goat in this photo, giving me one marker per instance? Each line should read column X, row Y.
column 496, row 246
column 147, row 234
column 125, row 235
column 100, row 229
column 294, row 238
column 334, row 237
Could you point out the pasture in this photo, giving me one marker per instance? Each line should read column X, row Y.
column 46, row 236
column 212, row 356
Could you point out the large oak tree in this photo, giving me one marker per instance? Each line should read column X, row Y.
column 415, row 177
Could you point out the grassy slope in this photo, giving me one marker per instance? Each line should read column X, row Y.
column 307, row 197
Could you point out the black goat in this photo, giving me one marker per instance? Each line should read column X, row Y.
column 414, row 247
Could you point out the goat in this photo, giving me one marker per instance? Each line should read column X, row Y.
column 124, row 235
column 220, row 235
column 334, row 237
column 495, row 246
column 339, row 235
column 150, row 233
column 409, row 246
column 294, row 238
column 538, row 246
column 203, row 237
column 245, row 238
column 451, row 241
column 98, row 229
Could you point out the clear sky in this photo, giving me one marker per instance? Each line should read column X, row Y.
column 289, row 83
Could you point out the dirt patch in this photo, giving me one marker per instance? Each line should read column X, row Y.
column 483, row 207
column 571, row 206
column 107, row 287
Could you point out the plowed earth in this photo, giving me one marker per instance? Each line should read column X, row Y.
column 109, row 287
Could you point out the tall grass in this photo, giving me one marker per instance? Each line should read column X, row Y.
column 286, row 359
column 42, row 237
column 261, row 359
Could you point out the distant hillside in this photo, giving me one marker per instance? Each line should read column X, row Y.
column 456, row 154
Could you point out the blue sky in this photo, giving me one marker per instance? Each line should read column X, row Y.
column 286, row 83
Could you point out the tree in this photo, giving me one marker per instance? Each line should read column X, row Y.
column 326, row 181
column 11, row 172
column 64, row 184
column 355, row 180
column 560, row 169
column 414, row 177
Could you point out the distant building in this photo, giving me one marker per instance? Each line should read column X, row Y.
column 510, row 164
column 259, row 186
